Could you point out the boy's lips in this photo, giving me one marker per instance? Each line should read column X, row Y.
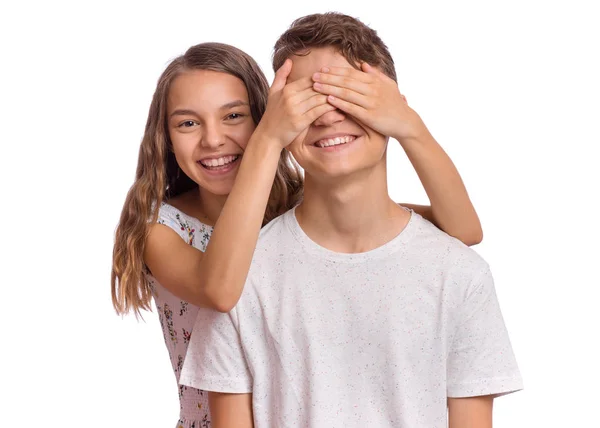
column 334, row 140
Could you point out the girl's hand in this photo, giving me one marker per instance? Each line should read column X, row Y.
column 291, row 107
column 371, row 97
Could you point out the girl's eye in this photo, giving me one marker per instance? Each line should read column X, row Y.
column 233, row 116
column 187, row 124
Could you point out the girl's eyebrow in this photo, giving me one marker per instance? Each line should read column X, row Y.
column 187, row 112
column 236, row 103
column 183, row 112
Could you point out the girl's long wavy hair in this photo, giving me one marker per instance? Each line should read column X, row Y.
column 157, row 178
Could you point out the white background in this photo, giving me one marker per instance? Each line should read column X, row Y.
column 510, row 89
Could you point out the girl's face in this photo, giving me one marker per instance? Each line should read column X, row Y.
column 209, row 124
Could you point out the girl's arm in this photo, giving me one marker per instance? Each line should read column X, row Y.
column 375, row 100
column 216, row 278
column 451, row 209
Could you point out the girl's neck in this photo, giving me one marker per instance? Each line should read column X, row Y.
column 209, row 205
column 198, row 203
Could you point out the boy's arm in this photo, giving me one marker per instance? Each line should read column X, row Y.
column 472, row 412
column 374, row 99
column 481, row 364
column 215, row 361
column 230, row 410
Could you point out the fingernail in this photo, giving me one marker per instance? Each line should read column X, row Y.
column 317, row 76
column 325, row 70
column 318, row 86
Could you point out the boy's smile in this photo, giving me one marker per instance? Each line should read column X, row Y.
column 335, row 144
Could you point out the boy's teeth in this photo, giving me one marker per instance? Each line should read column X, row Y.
column 335, row 141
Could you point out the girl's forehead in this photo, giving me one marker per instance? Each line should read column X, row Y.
column 207, row 88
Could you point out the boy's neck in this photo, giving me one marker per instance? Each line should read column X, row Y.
column 351, row 214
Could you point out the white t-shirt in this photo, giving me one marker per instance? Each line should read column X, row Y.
column 379, row 339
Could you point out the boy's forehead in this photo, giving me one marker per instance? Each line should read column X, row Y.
column 307, row 65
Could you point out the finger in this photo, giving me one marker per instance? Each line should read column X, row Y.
column 316, row 112
column 369, row 69
column 343, row 82
column 281, row 76
column 345, row 94
column 352, row 109
column 300, row 84
column 349, row 72
column 303, row 95
column 312, row 102
column 374, row 71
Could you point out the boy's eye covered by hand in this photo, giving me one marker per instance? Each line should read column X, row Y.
column 336, row 143
column 371, row 97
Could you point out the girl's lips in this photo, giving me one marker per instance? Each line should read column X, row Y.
column 218, row 161
column 220, row 169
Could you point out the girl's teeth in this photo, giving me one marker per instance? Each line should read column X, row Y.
column 219, row 162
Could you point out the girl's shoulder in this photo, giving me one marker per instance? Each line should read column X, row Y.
column 191, row 230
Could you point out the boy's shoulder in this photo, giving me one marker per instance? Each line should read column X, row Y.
column 274, row 233
column 427, row 245
column 439, row 247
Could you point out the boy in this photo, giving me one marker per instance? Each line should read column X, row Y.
column 367, row 315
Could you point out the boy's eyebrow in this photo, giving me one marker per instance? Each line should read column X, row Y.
column 187, row 112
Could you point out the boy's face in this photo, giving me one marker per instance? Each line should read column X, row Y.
column 335, row 144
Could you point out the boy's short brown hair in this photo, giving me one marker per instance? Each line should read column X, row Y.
column 354, row 40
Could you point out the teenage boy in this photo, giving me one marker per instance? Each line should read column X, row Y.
column 356, row 312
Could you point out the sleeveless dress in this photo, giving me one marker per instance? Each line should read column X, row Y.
column 177, row 317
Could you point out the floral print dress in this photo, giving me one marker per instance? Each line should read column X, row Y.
column 177, row 318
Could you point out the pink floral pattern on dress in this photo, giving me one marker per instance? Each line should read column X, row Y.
column 177, row 317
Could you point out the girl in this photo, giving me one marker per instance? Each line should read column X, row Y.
column 212, row 167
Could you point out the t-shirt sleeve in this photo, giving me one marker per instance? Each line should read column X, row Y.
column 215, row 359
column 481, row 360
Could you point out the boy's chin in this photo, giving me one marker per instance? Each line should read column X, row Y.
column 343, row 168
column 325, row 174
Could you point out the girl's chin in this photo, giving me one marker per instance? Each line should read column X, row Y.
column 221, row 189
